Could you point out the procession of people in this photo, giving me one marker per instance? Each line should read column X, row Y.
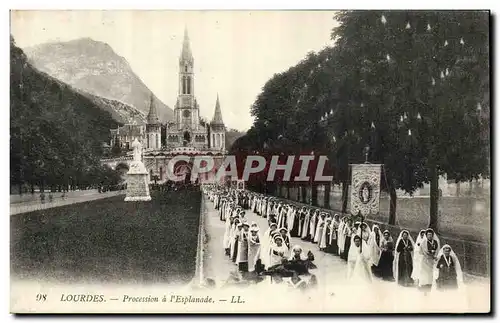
column 369, row 252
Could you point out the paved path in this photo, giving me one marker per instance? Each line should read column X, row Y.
column 217, row 266
column 334, row 292
column 25, row 207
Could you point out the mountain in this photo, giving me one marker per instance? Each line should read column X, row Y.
column 56, row 133
column 120, row 111
column 93, row 67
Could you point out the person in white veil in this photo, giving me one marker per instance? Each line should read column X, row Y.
column 226, row 241
column 254, row 243
column 403, row 260
column 417, row 256
column 375, row 250
column 320, row 225
column 429, row 249
column 305, row 228
column 340, row 238
column 266, row 244
column 287, row 239
column 358, row 269
column 364, row 231
column 278, row 250
column 313, row 225
column 325, row 233
column 447, row 273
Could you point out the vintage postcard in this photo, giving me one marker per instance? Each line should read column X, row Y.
column 250, row 161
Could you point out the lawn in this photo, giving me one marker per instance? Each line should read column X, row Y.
column 110, row 240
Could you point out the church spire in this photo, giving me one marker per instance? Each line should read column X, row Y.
column 217, row 119
column 186, row 54
column 152, row 115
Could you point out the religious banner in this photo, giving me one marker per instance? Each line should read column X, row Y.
column 365, row 188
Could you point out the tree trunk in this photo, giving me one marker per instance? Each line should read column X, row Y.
column 32, row 186
column 21, row 189
column 392, row 205
column 345, row 192
column 433, row 215
column 303, row 194
column 458, row 189
column 314, row 194
column 328, row 188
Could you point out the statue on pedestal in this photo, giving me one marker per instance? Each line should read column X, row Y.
column 136, row 145
column 137, row 177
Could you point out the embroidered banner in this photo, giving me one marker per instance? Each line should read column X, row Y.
column 365, row 188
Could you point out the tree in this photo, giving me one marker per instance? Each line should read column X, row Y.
column 56, row 133
column 421, row 76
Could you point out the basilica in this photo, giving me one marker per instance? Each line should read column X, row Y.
column 187, row 134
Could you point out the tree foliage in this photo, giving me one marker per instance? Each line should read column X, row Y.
column 411, row 85
column 56, row 133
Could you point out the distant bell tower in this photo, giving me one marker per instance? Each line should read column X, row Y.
column 217, row 129
column 186, row 109
column 153, row 127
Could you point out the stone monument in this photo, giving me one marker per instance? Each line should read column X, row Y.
column 137, row 177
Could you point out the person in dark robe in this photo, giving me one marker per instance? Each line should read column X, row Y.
column 403, row 261
column 301, row 215
column 242, row 257
column 348, row 232
column 333, row 236
column 385, row 263
column 293, row 220
column 236, row 238
column 448, row 272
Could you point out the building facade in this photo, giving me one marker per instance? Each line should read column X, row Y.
column 188, row 134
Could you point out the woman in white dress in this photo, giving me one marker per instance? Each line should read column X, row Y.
column 278, row 250
column 429, row 248
column 375, row 251
column 417, row 256
column 358, row 270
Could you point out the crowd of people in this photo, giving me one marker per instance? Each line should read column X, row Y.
column 369, row 252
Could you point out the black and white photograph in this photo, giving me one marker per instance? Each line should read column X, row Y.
column 237, row 161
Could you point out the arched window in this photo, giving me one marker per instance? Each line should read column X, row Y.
column 150, row 174
column 157, row 141
column 213, row 140
column 161, row 173
column 185, row 68
column 188, row 81
column 184, row 87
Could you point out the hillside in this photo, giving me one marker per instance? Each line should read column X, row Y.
column 231, row 136
column 94, row 67
column 120, row 111
column 55, row 132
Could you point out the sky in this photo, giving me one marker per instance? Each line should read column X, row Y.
column 235, row 52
